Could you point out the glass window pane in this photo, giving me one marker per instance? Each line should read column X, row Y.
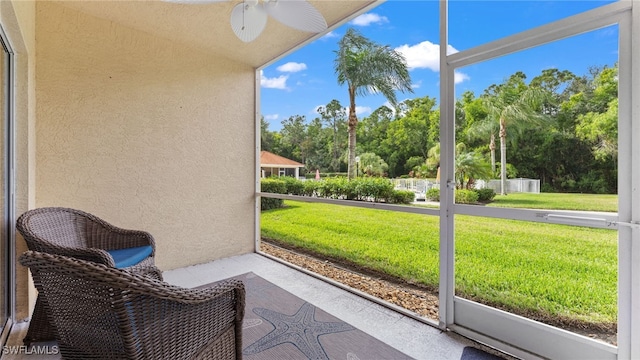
column 550, row 114
column 561, row 275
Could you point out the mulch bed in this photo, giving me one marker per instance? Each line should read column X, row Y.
column 415, row 298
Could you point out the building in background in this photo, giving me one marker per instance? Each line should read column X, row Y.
column 276, row 165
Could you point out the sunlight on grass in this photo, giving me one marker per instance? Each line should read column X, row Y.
column 533, row 268
column 529, row 267
column 557, row 201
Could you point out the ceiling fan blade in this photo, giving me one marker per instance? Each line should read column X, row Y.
column 248, row 21
column 298, row 14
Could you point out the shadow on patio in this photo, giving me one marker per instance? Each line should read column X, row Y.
column 411, row 337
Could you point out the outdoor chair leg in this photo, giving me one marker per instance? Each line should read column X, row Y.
column 40, row 329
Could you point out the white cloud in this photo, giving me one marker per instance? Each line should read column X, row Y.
column 416, row 84
column 271, row 116
column 459, row 77
column 361, row 110
column 451, row 50
column 292, row 67
column 425, row 55
column 368, row 19
column 329, row 35
column 279, row 82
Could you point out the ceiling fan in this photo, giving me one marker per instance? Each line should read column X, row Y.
column 249, row 18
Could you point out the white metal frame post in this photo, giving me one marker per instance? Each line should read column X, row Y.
column 628, row 191
column 624, row 192
column 447, row 183
column 258, row 169
column 635, row 151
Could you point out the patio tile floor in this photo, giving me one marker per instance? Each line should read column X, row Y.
column 414, row 338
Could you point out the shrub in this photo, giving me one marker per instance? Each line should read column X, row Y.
column 433, row 194
column 547, row 188
column 370, row 188
column 401, row 197
column 332, row 175
column 592, row 182
column 310, row 188
column 275, row 186
column 485, row 194
column 466, row 197
column 334, row 188
column 294, row 186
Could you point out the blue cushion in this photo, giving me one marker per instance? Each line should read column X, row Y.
column 130, row 256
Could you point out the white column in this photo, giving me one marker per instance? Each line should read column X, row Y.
column 447, row 148
column 628, row 192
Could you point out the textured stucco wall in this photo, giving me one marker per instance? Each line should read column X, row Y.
column 146, row 134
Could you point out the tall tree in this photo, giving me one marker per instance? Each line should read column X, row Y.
column 368, row 68
column 294, row 133
column 511, row 104
column 413, row 133
column 476, row 124
column 372, row 130
column 318, row 154
column 335, row 116
column 266, row 136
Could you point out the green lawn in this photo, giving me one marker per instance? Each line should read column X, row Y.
column 539, row 270
column 586, row 202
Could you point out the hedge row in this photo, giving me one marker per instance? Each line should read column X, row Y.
column 272, row 186
column 363, row 189
column 464, row 196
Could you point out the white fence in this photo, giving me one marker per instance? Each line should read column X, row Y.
column 513, row 185
column 418, row 186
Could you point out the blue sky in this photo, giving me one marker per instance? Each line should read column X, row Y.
column 300, row 82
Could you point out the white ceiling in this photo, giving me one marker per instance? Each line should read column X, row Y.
column 207, row 26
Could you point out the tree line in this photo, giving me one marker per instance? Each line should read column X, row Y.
column 559, row 127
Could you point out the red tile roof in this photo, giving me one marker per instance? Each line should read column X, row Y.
column 271, row 159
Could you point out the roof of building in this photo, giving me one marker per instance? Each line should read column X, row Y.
column 273, row 160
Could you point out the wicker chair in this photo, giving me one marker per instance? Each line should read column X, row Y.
column 106, row 313
column 81, row 235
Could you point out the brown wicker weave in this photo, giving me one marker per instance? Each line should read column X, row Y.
column 75, row 233
column 106, row 313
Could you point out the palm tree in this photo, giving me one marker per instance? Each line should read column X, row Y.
column 513, row 104
column 470, row 165
column 487, row 127
column 372, row 165
column 368, row 68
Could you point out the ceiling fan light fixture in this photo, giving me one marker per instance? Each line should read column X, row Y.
column 248, row 21
column 249, row 17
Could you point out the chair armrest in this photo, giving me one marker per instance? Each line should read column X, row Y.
column 88, row 254
column 113, row 238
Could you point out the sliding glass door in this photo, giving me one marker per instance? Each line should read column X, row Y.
column 6, row 218
column 531, row 279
